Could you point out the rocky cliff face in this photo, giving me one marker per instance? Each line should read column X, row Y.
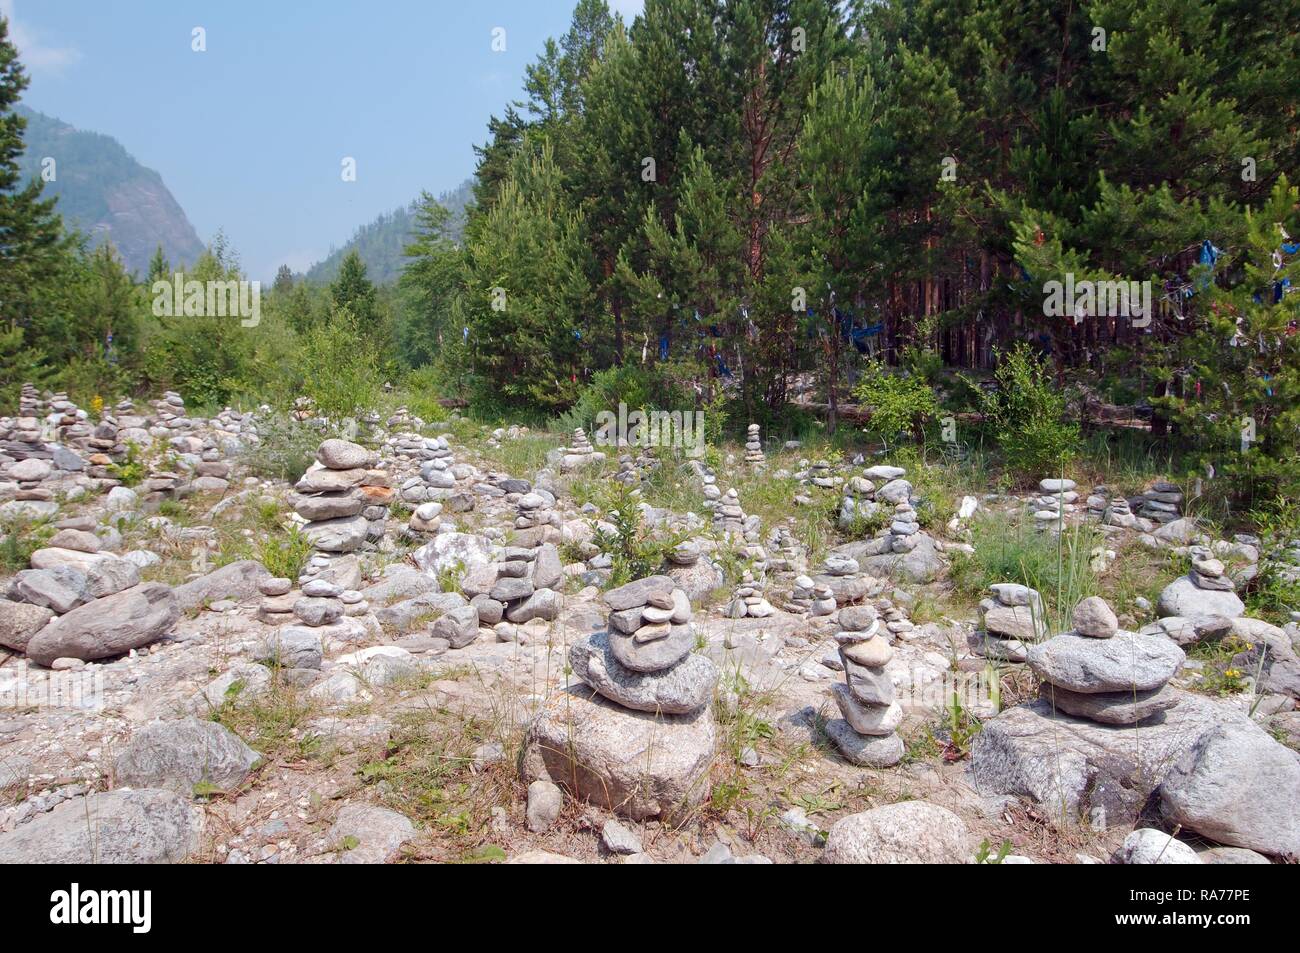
column 107, row 194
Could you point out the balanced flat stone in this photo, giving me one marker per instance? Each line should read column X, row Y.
column 1127, row 662
column 683, row 688
column 638, row 592
column 655, row 655
column 1111, row 708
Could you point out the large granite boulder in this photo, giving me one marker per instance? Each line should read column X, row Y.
column 638, row 764
column 1238, row 786
column 237, row 580
column 183, row 755
column 144, row 826
column 1082, row 771
column 107, row 627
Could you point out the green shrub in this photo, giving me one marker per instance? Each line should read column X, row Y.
column 420, row 390
column 1058, row 566
column 664, row 386
column 634, row 553
column 130, row 470
column 340, row 367
column 1027, row 416
column 900, row 403
column 18, row 540
column 285, row 554
column 286, row 447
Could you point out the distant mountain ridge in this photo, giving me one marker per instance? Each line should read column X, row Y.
column 104, row 192
column 380, row 243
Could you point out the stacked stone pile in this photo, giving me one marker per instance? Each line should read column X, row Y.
column 21, row 437
column 857, row 503
column 211, row 473
column 171, row 415
column 867, row 733
column 1119, row 513
column 904, row 527
column 536, row 520
column 627, row 470
column 343, row 501
column 1104, row 674
column 1161, row 503
column 691, row 571
column 161, row 484
column 278, row 597
column 1010, row 621
column 70, row 423
column 1206, row 590
column 580, row 453
column 815, row 598
column 785, row 552
column 843, row 576
column 754, row 447
column 709, row 479
column 748, row 600
column 649, row 634
column 1056, row 500
column 819, row 474
column 728, row 517
column 637, row 736
column 897, row 624
column 79, row 603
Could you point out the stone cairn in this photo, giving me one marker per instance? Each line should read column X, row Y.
column 22, row 435
column 728, row 516
column 815, row 598
column 520, row 588
column 535, row 518
column 129, row 425
column 162, row 484
column 1010, row 621
column 211, row 473
column 1097, row 502
column 785, row 552
column 402, row 420
column 904, row 528
column 1104, row 674
column 754, row 447
column 643, row 661
column 171, row 414
column 29, row 402
column 856, row 502
column 896, row 621
column 581, row 453
column 712, row 494
column 1055, row 501
column 867, row 733
column 434, row 487
column 70, row 422
column 342, row 500
column 1118, row 513
column 1208, row 572
column 1162, row 503
column 819, row 475
column 627, row 470
column 748, row 600
column 318, row 603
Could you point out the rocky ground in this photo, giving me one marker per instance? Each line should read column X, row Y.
column 446, row 643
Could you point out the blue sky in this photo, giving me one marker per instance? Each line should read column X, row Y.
column 250, row 134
